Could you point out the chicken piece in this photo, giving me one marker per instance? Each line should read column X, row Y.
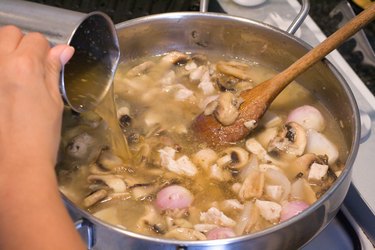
column 182, row 165
column 317, row 172
column 253, row 185
column 215, row 216
column 269, row 210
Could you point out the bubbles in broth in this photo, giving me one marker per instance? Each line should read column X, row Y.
column 175, row 186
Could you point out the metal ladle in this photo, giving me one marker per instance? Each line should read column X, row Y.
column 88, row 76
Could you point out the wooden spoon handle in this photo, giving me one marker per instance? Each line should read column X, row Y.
column 320, row 51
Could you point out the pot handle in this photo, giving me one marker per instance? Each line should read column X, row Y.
column 87, row 231
column 293, row 27
column 203, row 5
column 297, row 22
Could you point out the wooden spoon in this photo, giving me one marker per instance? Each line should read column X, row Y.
column 258, row 99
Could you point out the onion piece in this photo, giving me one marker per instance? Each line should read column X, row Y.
column 291, row 209
column 173, row 197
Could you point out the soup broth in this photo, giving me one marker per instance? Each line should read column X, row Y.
column 175, row 186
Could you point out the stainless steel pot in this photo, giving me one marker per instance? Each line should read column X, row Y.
column 242, row 38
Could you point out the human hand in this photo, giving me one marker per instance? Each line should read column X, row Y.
column 30, row 102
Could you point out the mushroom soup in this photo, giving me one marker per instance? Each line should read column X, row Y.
column 174, row 185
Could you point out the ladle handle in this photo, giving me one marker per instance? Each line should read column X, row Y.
column 280, row 81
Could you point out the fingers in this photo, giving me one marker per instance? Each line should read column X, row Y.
column 57, row 57
column 10, row 37
column 34, row 44
column 35, row 57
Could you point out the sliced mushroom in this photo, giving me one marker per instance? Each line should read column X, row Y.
column 109, row 161
column 152, row 220
column 199, row 59
column 140, row 69
column 82, row 146
column 211, row 106
column 300, row 166
column 226, row 111
column 123, row 115
column 233, row 158
column 95, row 168
column 292, row 140
column 175, row 57
column 253, row 146
column 226, row 82
column 234, row 68
column 143, row 191
column 204, row 158
column 95, row 197
column 182, row 233
column 116, row 183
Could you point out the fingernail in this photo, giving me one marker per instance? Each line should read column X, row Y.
column 66, row 55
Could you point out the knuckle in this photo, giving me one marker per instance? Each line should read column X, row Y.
column 38, row 37
column 11, row 29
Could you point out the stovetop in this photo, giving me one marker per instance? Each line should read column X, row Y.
column 354, row 226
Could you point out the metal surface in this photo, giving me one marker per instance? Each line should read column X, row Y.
column 297, row 22
column 360, row 200
column 203, row 6
column 87, row 77
column 209, row 33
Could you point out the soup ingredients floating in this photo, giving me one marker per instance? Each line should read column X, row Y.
column 215, row 130
column 176, row 187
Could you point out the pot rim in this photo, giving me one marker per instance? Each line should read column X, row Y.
column 348, row 164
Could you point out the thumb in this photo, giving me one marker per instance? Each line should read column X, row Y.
column 58, row 56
